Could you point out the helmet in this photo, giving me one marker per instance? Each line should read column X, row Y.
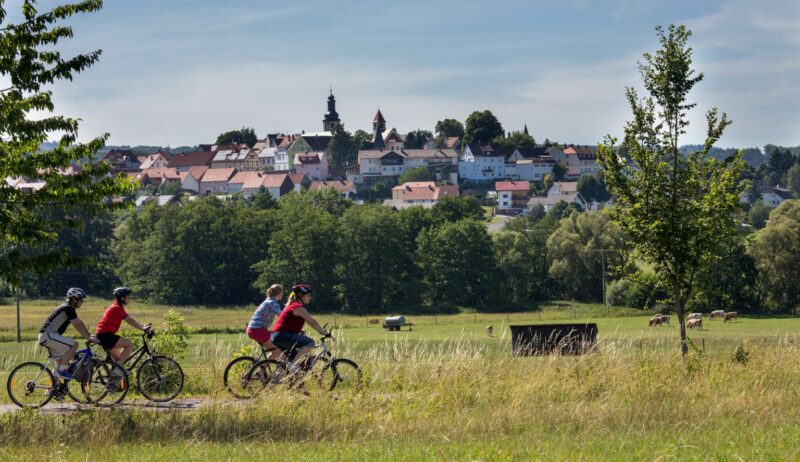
column 75, row 292
column 301, row 288
column 121, row 292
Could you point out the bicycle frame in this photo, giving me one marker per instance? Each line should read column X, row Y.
column 135, row 357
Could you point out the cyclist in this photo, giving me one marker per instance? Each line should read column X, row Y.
column 50, row 335
column 258, row 328
column 118, row 347
column 287, row 330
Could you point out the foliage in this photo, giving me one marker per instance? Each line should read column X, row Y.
column 455, row 208
column 778, row 165
column 30, row 221
column 246, row 135
column 171, row 340
column 457, row 263
column 516, row 140
column 758, row 214
column 416, row 139
column 728, row 281
column 263, row 200
column 342, row 151
column 522, row 265
column 559, row 171
column 793, row 180
column 776, row 250
column 593, row 188
column 677, row 209
column 577, row 250
column 482, row 127
column 415, row 174
column 361, row 140
column 449, row 128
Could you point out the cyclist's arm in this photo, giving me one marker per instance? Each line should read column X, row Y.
column 129, row 319
column 81, row 328
column 303, row 313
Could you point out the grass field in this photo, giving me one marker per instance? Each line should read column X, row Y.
column 447, row 391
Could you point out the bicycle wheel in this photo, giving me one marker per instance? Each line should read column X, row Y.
column 266, row 374
column 106, row 383
column 29, row 385
column 347, row 375
column 319, row 379
column 160, row 379
column 235, row 377
column 75, row 393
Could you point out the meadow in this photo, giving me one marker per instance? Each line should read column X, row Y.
column 447, row 391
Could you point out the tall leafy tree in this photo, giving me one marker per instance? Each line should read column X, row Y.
column 451, row 209
column 793, row 180
column 416, row 139
column 246, row 135
column 415, row 174
column 31, row 219
column 776, row 249
column 457, row 263
column 516, row 140
column 449, row 128
column 341, row 150
column 482, row 127
column 677, row 209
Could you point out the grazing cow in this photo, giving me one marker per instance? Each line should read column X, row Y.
column 695, row 323
column 489, row 330
column 730, row 316
column 716, row 314
column 695, row 316
column 664, row 319
column 656, row 321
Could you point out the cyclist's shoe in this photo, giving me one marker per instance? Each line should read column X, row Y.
column 59, row 392
column 63, row 374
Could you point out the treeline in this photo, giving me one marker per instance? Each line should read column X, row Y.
column 362, row 258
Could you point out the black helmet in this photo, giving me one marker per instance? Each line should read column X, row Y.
column 75, row 292
column 121, row 292
column 301, row 288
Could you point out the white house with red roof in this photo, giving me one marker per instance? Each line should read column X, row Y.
column 512, row 194
column 155, row 160
column 248, row 183
column 482, row 163
column 313, row 164
column 581, row 160
column 190, row 181
column 421, row 193
column 215, row 180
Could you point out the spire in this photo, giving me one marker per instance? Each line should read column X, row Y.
column 332, row 117
column 379, row 123
column 377, row 139
column 525, row 130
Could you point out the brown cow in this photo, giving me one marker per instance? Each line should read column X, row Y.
column 664, row 319
column 716, row 314
column 656, row 321
column 695, row 323
column 730, row 316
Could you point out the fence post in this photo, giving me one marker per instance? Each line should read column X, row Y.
column 704, row 345
column 19, row 331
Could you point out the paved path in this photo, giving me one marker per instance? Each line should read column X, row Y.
column 499, row 224
column 67, row 406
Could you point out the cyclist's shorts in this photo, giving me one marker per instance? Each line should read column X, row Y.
column 56, row 344
column 288, row 340
column 259, row 335
column 107, row 340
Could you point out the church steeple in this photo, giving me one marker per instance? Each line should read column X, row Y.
column 379, row 123
column 332, row 117
column 525, row 130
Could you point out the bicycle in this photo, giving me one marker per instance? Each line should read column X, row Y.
column 322, row 371
column 28, row 378
column 158, row 378
column 235, row 376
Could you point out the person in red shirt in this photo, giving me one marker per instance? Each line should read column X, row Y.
column 287, row 331
column 118, row 347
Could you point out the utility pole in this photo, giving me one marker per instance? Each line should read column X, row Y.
column 603, row 258
column 19, row 331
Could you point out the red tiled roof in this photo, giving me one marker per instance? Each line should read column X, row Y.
column 379, row 117
column 161, row 172
column 297, row 178
column 198, row 171
column 188, row 159
column 218, row 174
column 341, row 186
column 425, row 191
column 512, row 186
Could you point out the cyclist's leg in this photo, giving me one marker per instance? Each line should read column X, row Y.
column 61, row 348
column 124, row 348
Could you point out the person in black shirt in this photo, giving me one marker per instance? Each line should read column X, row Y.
column 50, row 335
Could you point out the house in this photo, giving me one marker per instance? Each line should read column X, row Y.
column 241, row 157
column 159, row 176
column 774, row 196
column 560, row 192
column 581, row 160
column 562, row 187
column 159, row 200
column 186, row 160
column 314, row 142
column 529, row 164
column 482, row 163
column 393, row 140
column 512, row 194
column 121, row 160
column 215, row 180
column 281, row 152
column 450, row 142
column 155, row 160
column 346, row 188
column 377, row 164
column 420, row 193
column 313, row 164
column 266, row 157
column 190, row 181
column 248, row 183
column 300, row 181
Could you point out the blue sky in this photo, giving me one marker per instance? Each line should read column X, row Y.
column 181, row 71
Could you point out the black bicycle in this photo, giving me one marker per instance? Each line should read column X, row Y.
column 319, row 372
column 159, row 378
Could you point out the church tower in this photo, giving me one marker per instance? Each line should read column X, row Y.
column 331, row 118
column 379, row 123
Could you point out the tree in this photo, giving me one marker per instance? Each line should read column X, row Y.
column 457, row 263
column 577, row 250
column 361, row 140
column 451, row 209
column 516, row 140
column 372, row 274
column 415, row 174
column 341, row 150
column 482, row 128
column 758, row 214
column 778, row 164
column 593, row 187
column 729, row 281
column 449, row 128
column 559, row 171
column 793, row 180
column 263, row 200
column 30, row 220
column 416, row 139
column 776, row 249
column 246, row 135
column 677, row 209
